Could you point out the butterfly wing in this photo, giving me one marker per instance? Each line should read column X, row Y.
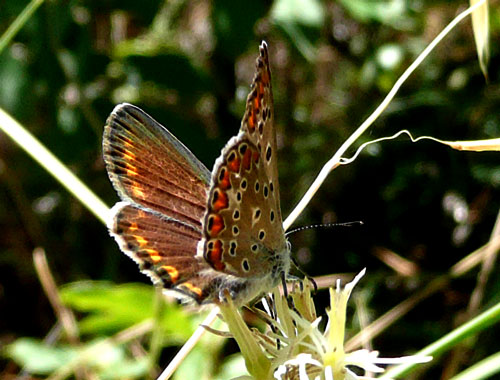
column 164, row 191
column 149, row 166
column 169, row 210
column 258, row 121
column 242, row 229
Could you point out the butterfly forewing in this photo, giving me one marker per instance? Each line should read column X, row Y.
column 164, row 190
column 149, row 166
column 242, row 227
column 258, row 121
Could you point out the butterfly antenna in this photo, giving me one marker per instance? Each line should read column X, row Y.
column 325, row 225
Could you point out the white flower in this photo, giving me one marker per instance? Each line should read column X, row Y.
column 326, row 358
column 296, row 348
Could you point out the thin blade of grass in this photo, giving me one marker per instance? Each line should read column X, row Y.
column 55, row 167
column 18, row 23
column 336, row 158
column 484, row 369
column 480, row 323
column 481, row 30
column 188, row 346
column 64, row 314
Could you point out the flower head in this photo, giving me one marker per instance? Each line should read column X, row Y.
column 296, row 348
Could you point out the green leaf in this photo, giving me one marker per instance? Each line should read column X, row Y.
column 306, row 12
column 36, row 357
column 114, row 307
column 388, row 12
column 126, row 369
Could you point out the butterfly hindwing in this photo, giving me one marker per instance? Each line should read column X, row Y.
column 164, row 249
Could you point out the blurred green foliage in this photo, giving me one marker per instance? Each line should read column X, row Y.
column 189, row 64
column 108, row 308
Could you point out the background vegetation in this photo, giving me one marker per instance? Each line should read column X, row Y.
column 189, row 64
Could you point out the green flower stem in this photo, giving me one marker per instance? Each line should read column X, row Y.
column 18, row 23
column 479, row 323
column 257, row 363
column 55, row 167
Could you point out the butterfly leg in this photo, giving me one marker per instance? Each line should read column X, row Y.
column 273, row 314
column 288, row 297
column 311, row 279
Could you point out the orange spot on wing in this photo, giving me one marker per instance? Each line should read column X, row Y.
column 252, row 120
column 131, row 169
column 137, row 191
column 172, row 272
column 127, row 154
column 222, row 201
column 234, row 165
column 217, row 225
column 142, row 242
column 256, row 102
column 154, row 255
column 214, row 256
column 224, row 183
column 126, row 141
column 133, row 227
column 247, row 159
column 192, row 288
column 256, row 157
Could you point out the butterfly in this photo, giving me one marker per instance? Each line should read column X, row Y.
column 202, row 234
